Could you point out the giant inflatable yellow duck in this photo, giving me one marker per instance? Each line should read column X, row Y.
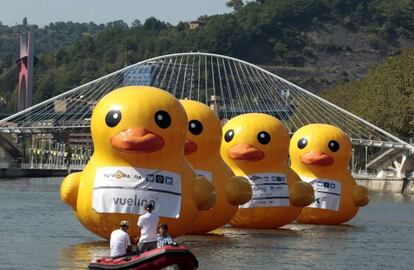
column 256, row 146
column 320, row 155
column 138, row 134
column 202, row 149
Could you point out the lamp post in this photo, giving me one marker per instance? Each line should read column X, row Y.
column 353, row 160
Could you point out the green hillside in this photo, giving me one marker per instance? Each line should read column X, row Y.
column 384, row 97
column 314, row 43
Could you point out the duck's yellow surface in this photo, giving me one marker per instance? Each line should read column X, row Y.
column 256, row 146
column 202, row 149
column 138, row 134
column 320, row 155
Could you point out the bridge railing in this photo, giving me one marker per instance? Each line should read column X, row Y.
column 384, row 175
column 29, row 166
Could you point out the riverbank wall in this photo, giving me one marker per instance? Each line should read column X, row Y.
column 405, row 186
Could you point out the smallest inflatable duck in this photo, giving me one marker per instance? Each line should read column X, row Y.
column 320, row 155
column 202, row 149
column 256, row 146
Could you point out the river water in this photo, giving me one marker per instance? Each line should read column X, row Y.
column 38, row 231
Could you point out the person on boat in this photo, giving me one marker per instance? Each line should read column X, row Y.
column 148, row 224
column 164, row 239
column 120, row 243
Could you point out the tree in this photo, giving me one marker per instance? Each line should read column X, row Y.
column 136, row 23
column 236, row 5
column 154, row 24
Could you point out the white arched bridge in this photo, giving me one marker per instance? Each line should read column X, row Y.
column 230, row 86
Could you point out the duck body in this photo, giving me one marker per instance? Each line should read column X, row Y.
column 103, row 211
column 320, row 155
column 259, row 212
column 219, row 174
column 202, row 149
column 255, row 146
column 333, row 200
column 138, row 135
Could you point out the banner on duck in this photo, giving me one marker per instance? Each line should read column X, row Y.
column 327, row 193
column 127, row 190
column 269, row 190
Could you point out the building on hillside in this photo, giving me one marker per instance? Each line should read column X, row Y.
column 195, row 24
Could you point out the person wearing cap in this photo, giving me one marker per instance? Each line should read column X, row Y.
column 148, row 224
column 120, row 243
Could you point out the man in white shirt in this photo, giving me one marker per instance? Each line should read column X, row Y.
column 148, row 224
column 120, row 243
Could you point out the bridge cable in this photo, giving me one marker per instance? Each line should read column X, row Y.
column 8, row 70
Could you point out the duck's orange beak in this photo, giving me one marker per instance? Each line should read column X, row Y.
column 190, row 147
column 137, row 140
column 317, row 158
column 246, row 152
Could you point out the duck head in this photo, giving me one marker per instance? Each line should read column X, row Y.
column 320, row 149
column 203, row 132
column 255, row 140
column 138, row 120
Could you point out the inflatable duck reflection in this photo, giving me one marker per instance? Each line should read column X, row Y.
column 320, row 155
column 138, row 134
column 256, row 146
column 202, row 149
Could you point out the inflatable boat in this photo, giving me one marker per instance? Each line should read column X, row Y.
column 153, row 259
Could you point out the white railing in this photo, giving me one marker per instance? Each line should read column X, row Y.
column 51, row 166
column 4, row 165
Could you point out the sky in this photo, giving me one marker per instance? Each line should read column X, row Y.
column 43, row 12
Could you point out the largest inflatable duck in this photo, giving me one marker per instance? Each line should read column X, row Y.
column 320, row 154
column 256, row 146
column 202, row 149
column 138, row 134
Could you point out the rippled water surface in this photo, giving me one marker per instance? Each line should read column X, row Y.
column 38, row 231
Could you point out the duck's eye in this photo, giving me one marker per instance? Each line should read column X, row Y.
column 195, row 127
column 333, row 145
column 302, row 143
column 112, row 118
column 163, row 119
column 228, row 136
column 263, row 137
